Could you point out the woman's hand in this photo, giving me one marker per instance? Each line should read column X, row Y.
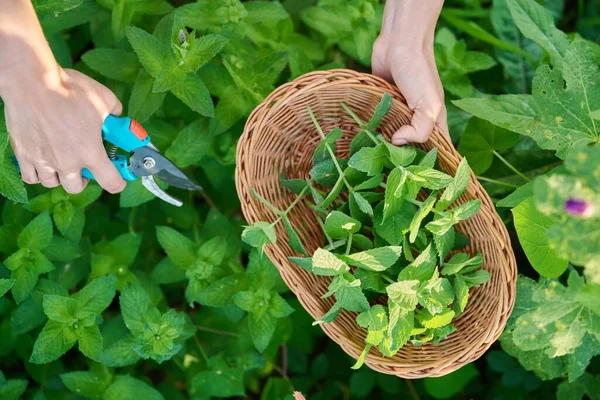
column 54, row 116
column 403, row 53
column 55, row 130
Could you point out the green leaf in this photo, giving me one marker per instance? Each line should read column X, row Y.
column 350, row 295
column 178, row 247
column 462, row 295
column 86, row 383
column 12, row 389
column 479, row 142
column 54, row 341
column 262, row 327
column 11, row 185
column 221, row 292
column 400, row 156
column 122, row 14
column 557, row 322
column 325, row 263
column 222, row 380
column 264, row 12
column 362, row 203
column 423, row 266
column 143, row 102
column 26, row 266
column 115, row 64
column 261, row 272
column 404, row 294
column 339, row 226
column 587, row 385
column 452, row 384
column 150, row 51
column 259, row 235
column 96, row 296
column 37, row 234
column 136, row 308
column 424, row 210
column 395, row 227
column 60, row 309
column 378, row 259
column 382, row 109
column 436, row 294
column 395, row 191
column 193, row 92
column 158, row 340
column 90, row 342
column 537, row 24
column 192, row 143
column 201, row 51
column 5, row 285
column 532, row 227
column 369, row 159
column 429, row 177
column 293, row 238
column 457, row 186
column 125, row 387
column 460, row 262
column 437, row 320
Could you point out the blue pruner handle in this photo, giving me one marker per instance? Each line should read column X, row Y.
column 127, row 134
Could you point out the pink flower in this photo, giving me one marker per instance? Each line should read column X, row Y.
column 298, row 396
column 577, row 207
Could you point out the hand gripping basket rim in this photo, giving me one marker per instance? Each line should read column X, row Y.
column 278, row 136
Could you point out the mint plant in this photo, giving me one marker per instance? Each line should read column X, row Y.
column 393, row 248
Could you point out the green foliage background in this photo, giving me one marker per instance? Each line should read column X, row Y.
column 124, row 296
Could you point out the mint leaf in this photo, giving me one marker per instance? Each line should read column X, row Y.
column 293, row 238
column 192, row 143
column 424, row 210
column 369, row 159
column 378, row 259
column 462, row 262
column 202, row 50
column 395, row 191
column 102, row 60
column 150, row 51
column 262, row 327
column 5, row 285
column 361, row 202
column 143, row 102
column 428, row 177
column 126, row 387
column 400, row 156
column 339, row 226
column 404, row 294
column 95, row 297
column 53, row 341
column 435, row 321
column 26, row 266
column 60, row 309
column 178, row 247
column 382, row 109
column 86, row 383
column 325, row 263
column 422, row 267
column 264, row 12
column 259, row 235
column 90, row 342
column 37, row 234
column 457, row 186
column 193, row 92
column 11, row 185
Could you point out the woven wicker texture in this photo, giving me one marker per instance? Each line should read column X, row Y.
column 279, row 137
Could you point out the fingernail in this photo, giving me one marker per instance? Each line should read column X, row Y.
column 399, row 142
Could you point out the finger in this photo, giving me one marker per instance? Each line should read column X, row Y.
column 72, row 182
column 28, row 173
column 442, row 121
column 107, row 175
column 117, row 107
column 419, row 129
column 48, row 176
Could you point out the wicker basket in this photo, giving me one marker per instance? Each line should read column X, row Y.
column 279, row 137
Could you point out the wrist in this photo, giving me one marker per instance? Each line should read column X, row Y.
column 24, row 78
column 410, row 24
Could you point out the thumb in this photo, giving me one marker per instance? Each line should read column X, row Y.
column 419, row 129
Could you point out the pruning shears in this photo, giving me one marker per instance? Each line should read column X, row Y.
column 145, row 160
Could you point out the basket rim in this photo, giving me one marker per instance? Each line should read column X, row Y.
column 319, row 80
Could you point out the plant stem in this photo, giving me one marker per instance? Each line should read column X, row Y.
column 511, row 167
column 360, row 123
column 284, row 360
column 420, row 204
column 132, row 220
column 349, row 245
column 412, row 390
column 216, row 331
column 322, row 225
column 291, row 206
column 387, row 278
column 204, row 356
column 497, row 182
column 178, row 363
column 208, row 200
column 328, row 147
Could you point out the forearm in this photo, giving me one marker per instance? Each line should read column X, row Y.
column 25, row 56
column 410, row 23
